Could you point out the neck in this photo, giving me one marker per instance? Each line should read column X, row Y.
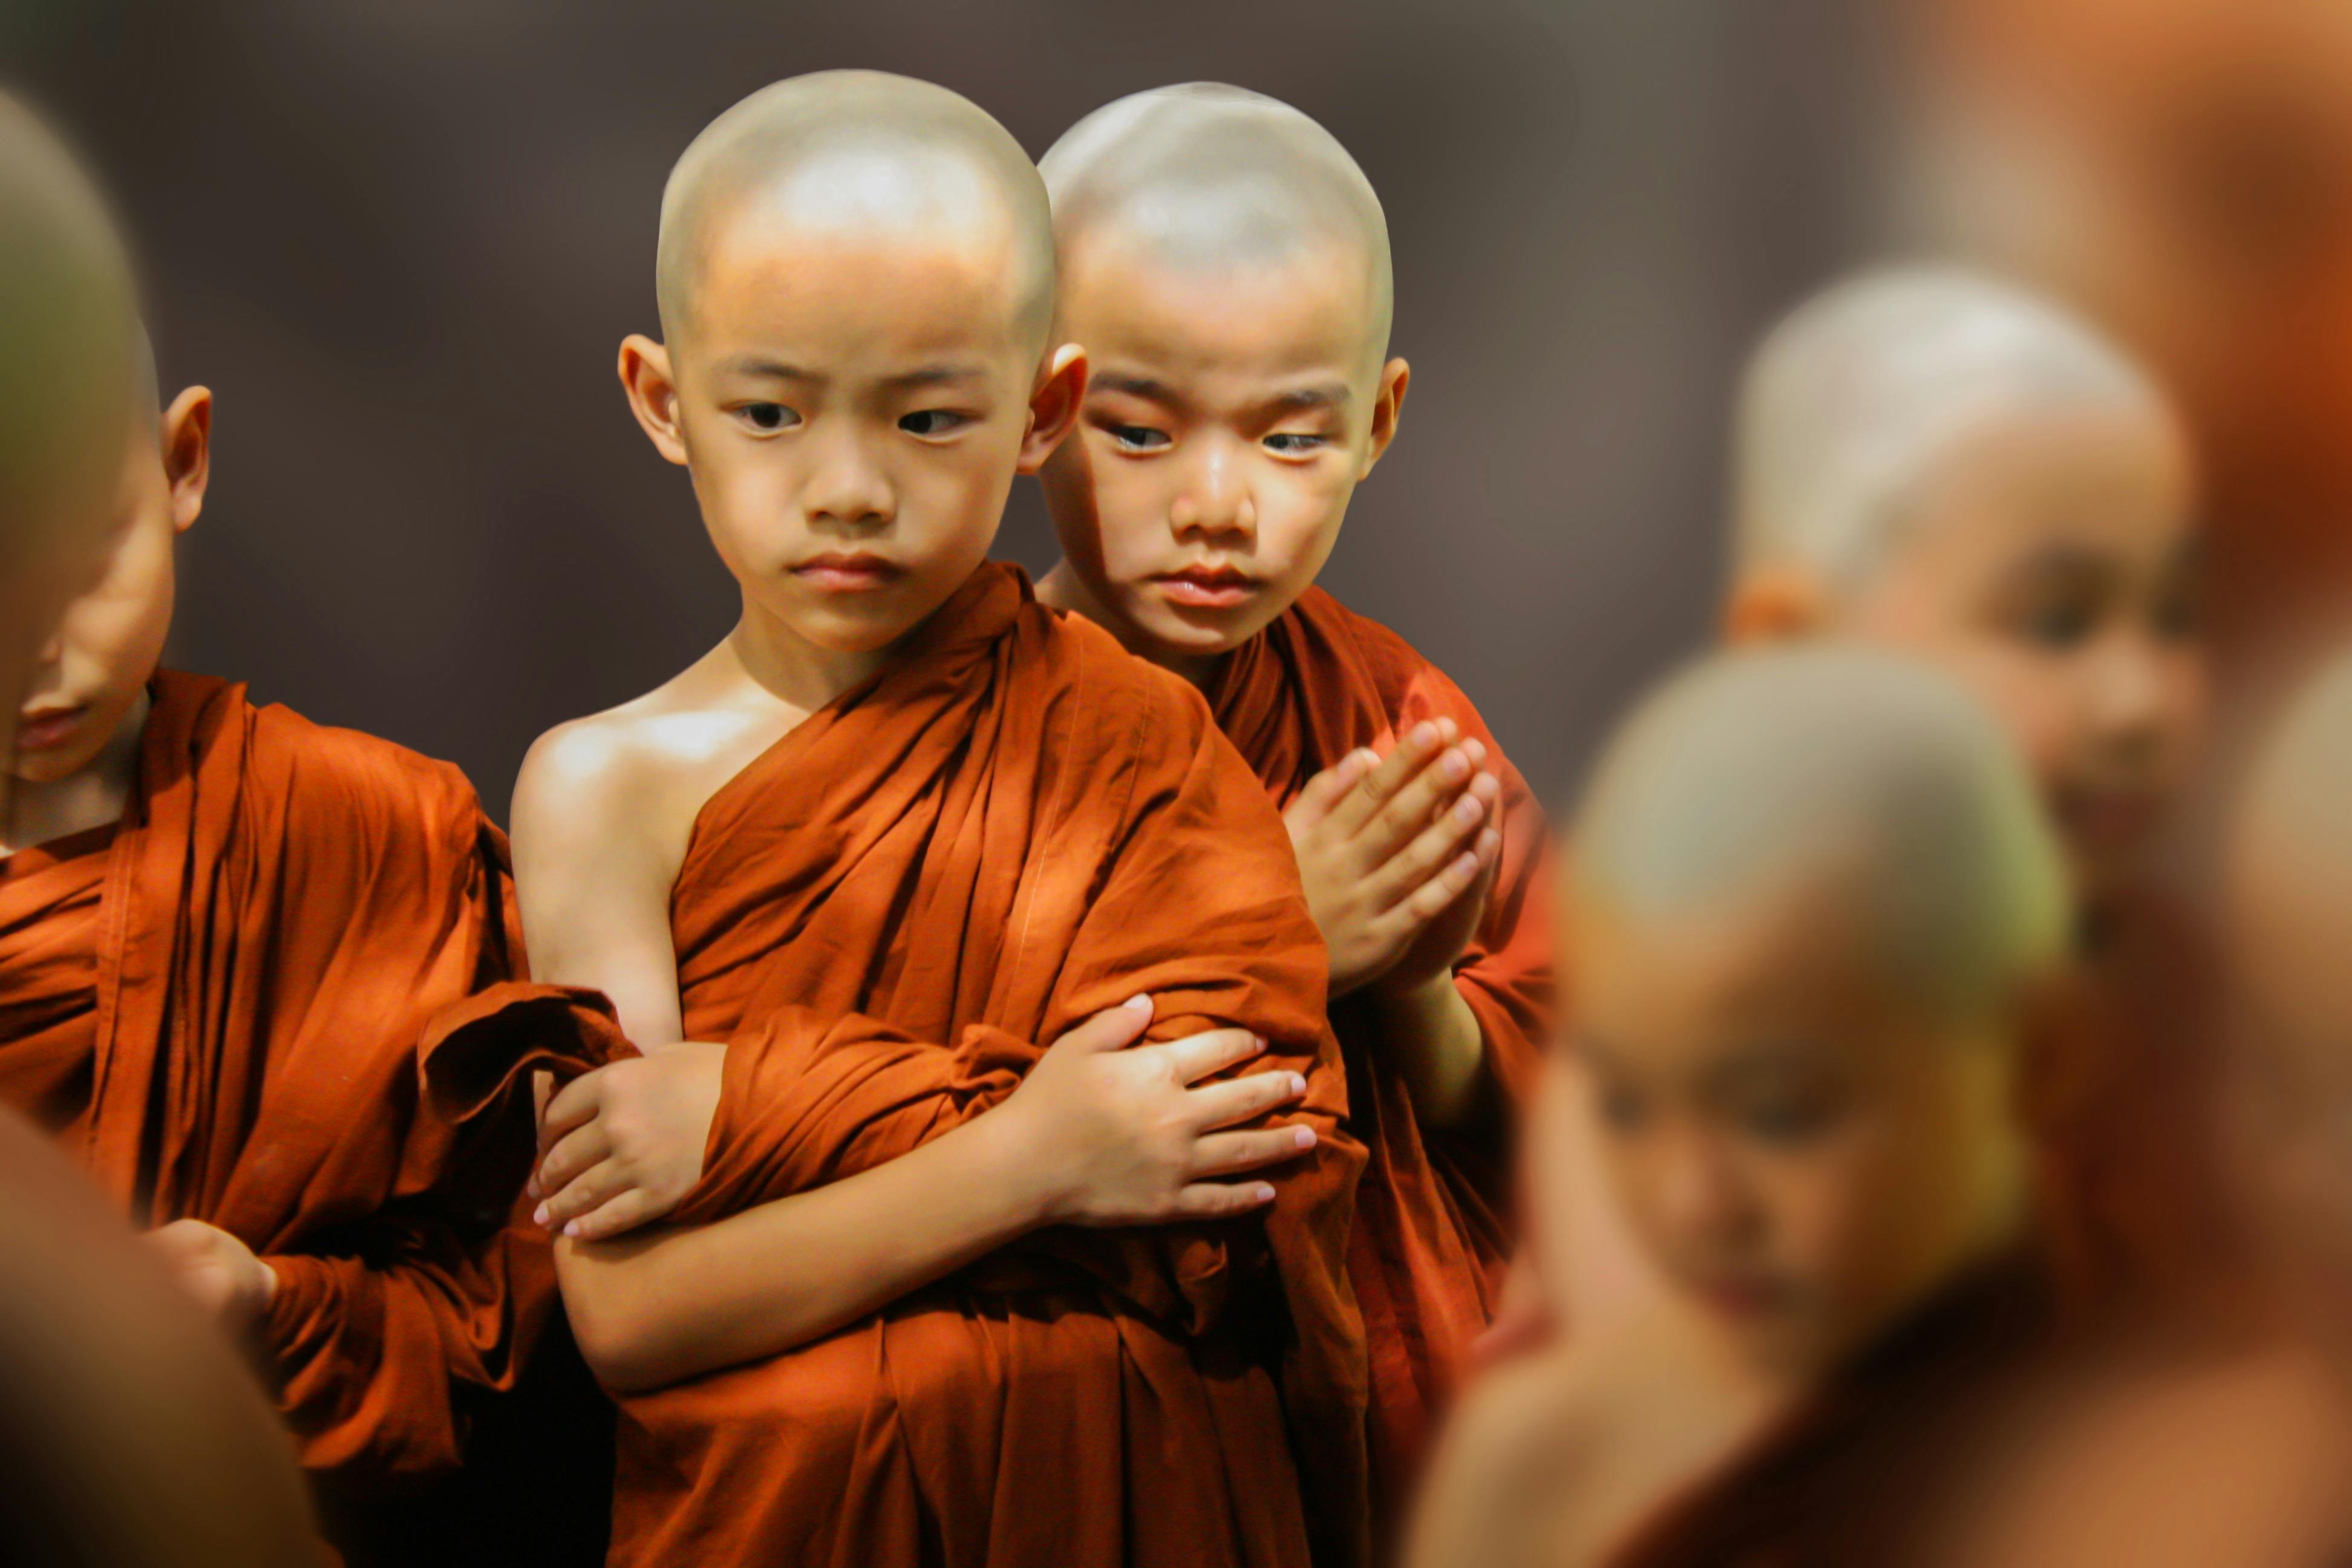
column 90, row 796
column 1064, row 590
column 794, row 670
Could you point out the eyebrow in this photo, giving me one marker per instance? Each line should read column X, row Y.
column 933, row 376
column 1141, row 387
column 1324, row 395
column 774, row 370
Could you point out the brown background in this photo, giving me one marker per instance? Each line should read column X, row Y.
column 403, row 239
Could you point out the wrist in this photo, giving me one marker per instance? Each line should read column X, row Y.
column 1421, row 995
column 1010, row 1157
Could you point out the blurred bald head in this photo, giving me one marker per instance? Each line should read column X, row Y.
column 1211, row 178
column 1829, row 764
column 69, row 342
column 856, row 155
column 1853, row 403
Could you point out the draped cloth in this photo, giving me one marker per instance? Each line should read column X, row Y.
column 886, row 917
column 1433, row 1222
column 279, row 999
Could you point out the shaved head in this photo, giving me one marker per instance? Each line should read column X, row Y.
column 858, row 155
column 1205, row 177
column 1755, row 770
column 1853, row 400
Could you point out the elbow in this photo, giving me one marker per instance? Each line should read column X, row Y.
column 619, row 1336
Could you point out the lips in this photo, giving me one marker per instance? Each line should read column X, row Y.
column 2110, row 819
column 1742, row 1296
column 39, row 730
column 848, row 572
column 1207, row 587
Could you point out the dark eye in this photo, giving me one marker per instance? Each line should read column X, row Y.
column 1136, row 437
column 1292, row 443
column 767, row 416
column 1620, row 1108
column 1785, row 1119
column 2060, row 623
column 933, row 422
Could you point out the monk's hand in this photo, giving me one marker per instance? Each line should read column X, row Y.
column 1387, row 847
column 219, row 1272
column 623, row 1145
column 1128, row 1134
column 1429, row 959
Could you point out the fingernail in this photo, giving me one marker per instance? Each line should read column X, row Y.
column 1303, row 1137
column 1297, row 1083
column 1468, row 810
column 1136, row 1002
column 1457, row 767
column 539, row 1214
column 572, row 1228
column 1477, row 750
column 1265, row 1194
column 1424, row 734
column 1257, row 1043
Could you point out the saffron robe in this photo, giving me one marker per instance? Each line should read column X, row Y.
column 887, row 917
column 1433, row 1214
column 277, row 998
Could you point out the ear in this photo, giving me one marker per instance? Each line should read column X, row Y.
column 1774, row 603
column 1054, row 405
column 646, row 377
column 1388, row 407
column 186, row 434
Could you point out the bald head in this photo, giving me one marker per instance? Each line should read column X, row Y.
column 1209, row 178
column 1853, row 400
column 862, row 155
column 70, row 337
column 1756, row 771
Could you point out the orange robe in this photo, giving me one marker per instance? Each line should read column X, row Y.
column 886, row 916
column 1432, row 1214
column 232, row 1007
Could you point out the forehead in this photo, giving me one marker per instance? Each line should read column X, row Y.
column 1306, row 311
column 2115, row 481
column 815, row 294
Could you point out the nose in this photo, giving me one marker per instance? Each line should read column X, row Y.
column 1215, row 503
column 846, row 488
column 1701, row 1201
column 2129, row 702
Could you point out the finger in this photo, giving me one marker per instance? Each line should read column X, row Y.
column 1437, row 895
column 1326, row 790
column 1222, row 1200
column 1425, row 798
column 1113, row 1028
column 590, row 1190
column 1407, row 757
column 1237, row 1099
column 1428, row 855
column 1224, row 1154
column 575, row 1105
column 577, row 1152
column 1196, row 1057
column 617, row 1216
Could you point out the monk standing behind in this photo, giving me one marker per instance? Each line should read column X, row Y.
column 1226, row 265
column 233, row 947
column 851, row 873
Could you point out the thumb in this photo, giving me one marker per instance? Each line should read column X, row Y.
column 1112, row 1029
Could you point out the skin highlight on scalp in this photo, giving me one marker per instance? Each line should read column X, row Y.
column 1760, row 768
column 856, row 153
column 1854, row 399
column 1206, row 177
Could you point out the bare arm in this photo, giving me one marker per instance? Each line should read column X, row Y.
column 594, row 867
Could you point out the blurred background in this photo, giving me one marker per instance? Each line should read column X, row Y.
column 403, row 239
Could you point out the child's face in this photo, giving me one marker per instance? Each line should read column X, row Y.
column 853, row 410
column 1795, row 1152
column 111, row 638
column 2054, row 567
column 1230, row 415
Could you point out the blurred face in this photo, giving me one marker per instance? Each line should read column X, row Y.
column 2054, row 567
column 853, row 408
column 1798, row 1157
column 1230, row 415
column 93, row 671
column 2291, row 1121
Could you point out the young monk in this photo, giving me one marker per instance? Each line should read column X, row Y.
column 236, row 947
column 1813, row 899
column 1933, row 462
column 1226, row 264
column 885, row 884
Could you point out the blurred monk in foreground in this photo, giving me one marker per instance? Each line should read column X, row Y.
column 1814, row 906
